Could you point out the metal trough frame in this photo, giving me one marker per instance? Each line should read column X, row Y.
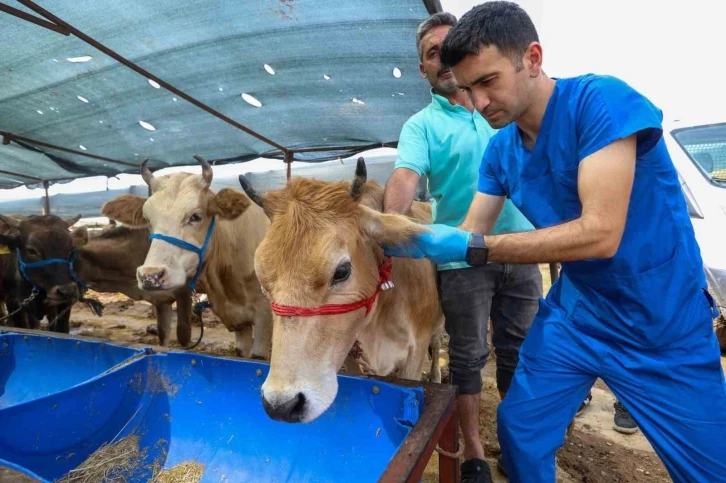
column 438, row 424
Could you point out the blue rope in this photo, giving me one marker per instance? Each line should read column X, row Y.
column 188, row 246
column 44, row 263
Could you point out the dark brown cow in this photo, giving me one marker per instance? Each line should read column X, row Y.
column 39, row 238
column 107, row 263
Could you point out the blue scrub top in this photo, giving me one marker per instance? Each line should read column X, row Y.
column 446, row 143
column 653, row 292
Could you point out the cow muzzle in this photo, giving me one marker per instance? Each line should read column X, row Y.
column 289, row 411
column 152, row 278
column 62, row 293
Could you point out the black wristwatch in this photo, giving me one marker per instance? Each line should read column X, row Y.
column 477, row 253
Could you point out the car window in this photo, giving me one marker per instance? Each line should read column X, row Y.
column 706, row 146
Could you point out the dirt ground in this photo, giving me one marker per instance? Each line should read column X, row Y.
column 593, row 452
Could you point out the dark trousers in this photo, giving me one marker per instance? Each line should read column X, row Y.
column 509, row 294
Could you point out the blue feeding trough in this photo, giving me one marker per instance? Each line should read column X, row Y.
column 69, row 407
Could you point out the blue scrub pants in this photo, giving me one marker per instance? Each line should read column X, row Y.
column 677, row 396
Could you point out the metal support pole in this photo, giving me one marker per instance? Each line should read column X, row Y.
column 33, row 19
column 8, row 136
column 47, row 197
column 554, row 272
column 288, row 161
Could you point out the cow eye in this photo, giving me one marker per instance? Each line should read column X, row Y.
column 195, row 218
column 342, row 273
column 33, row 253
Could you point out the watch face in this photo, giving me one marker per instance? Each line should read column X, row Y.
column 477, row 256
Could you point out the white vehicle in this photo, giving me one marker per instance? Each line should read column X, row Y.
column 698, row 150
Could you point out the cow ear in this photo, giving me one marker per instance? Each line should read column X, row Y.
column 72, row 221
column 388, row 229
column 9, row 221
column 9, row 241
column 79, row 236
column 229, row 204
column 127, row 209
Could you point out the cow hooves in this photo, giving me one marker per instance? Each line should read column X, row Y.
column 257, row 358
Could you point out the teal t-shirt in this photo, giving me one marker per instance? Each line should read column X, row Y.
column 446, row 143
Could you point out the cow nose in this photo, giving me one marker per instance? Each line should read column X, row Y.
column 290, row 411
column 152, row 277
column 66, row 291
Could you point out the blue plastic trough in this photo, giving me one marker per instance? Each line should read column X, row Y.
column 62, row 398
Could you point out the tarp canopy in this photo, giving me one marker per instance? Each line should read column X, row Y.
column 327, row 73
column 88, row 204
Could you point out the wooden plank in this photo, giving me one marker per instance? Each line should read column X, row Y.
column 449, row 467
column 412, row 457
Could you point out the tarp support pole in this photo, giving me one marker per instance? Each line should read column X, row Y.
column 288, row 161
column 41, row 11
column 32, row 19
column 554, row 272
column 25, row 176
column 47, row 197
column 10, row 136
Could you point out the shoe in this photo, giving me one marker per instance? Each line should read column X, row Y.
column 584, row 404
column 500, row 465
column 623, row 421
column 475, row 471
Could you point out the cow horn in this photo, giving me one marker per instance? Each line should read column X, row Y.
column 11, row 222
column 361, row 176
column 247, row 187
column 207, row 172
column 146, row 173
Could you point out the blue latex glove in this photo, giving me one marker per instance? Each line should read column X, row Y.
column 442, row 244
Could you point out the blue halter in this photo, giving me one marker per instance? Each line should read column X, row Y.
column 51, row 261
column 188, row 246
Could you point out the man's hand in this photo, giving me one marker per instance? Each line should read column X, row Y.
column 440, row 244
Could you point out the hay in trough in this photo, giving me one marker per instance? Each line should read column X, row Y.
column 9, row 475
column 110, row 463
column 185, row 472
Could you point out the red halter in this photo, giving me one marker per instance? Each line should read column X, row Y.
column 384, row 283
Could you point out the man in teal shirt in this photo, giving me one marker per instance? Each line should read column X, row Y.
column 445, row 141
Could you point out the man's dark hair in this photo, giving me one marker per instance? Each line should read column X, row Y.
column 435, row 20
column 501, row 24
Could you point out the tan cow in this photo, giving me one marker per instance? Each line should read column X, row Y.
column 322, row 252
column 182, row 206
column 108, row 262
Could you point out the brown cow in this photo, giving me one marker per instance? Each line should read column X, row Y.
column 320, row 252
column 38, row 239
column 108, row 262
column 182, row 206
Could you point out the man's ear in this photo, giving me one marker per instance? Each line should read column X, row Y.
column 229, row 203
column 79, row 236
column 388, row 229
column 128, row 209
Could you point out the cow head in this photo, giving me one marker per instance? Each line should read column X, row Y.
column 322, row 247
column 181, row 206
column 39, row 238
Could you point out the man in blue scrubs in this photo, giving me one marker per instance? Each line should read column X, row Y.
column 584, row 159
column 445, row 141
